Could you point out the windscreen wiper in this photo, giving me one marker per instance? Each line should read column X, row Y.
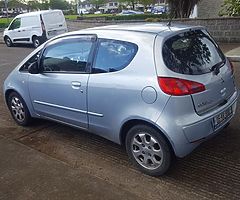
column 216, row 68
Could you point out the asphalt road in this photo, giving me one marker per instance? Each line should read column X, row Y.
column 212, row 171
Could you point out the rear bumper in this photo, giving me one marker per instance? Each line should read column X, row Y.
column 185, row 129
column 194, row 132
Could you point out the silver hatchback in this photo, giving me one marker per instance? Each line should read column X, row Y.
column 159, row 90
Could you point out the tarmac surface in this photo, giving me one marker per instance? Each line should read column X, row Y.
column 51, row 161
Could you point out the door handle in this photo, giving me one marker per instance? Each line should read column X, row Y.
column 76, row 84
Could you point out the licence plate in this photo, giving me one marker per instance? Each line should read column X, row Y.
column 222, row 117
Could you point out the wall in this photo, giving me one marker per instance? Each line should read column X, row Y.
column 222, row 29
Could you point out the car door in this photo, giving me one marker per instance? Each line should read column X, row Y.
column 108, row 88
column 14, row 29
column 59, row 92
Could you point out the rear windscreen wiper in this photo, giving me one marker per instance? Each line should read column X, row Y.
column 216, row 68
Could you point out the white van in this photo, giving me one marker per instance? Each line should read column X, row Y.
column 35, row 27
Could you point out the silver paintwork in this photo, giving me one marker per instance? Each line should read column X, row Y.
column 106, row 102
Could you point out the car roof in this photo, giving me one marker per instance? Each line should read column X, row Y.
column 36, row 13
column 152, row 28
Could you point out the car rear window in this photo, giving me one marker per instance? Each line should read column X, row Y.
column 193, row 52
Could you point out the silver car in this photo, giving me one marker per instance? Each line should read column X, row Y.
column 159, row 90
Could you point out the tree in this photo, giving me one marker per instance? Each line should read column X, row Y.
column 130, row 2
column 182, row 8
column 97, row 3
column 147, row 2
column 231, row 8
column 59, row 4
column 34, row 5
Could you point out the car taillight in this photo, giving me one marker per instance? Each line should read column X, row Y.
column 179, row 87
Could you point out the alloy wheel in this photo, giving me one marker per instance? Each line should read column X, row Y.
column 18, row 109
column 147, row 151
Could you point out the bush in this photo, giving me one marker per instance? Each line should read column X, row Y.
column 230, row 8
column 3, row 25
column 136, row 17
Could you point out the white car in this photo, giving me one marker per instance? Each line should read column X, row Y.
column 35, row 27
column 130, row 12
column 97, row 12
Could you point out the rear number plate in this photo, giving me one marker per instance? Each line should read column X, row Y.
column 222, row 117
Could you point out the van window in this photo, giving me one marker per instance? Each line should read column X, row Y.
column 53, row 17
column 30, row 21
column 192, row 52
column 113, row 55
column 15, row 24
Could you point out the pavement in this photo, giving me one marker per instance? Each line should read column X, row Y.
column 28, row 174
column 234, row 54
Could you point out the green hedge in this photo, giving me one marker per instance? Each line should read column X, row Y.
column 4, row 22
column 136, row 17
column 3, row 25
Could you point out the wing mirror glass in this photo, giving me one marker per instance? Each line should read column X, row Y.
column 33, row 68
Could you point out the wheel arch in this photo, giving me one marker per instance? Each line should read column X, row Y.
column 133, row 122
column 5, row 36
column 7, row 93
column 33, row 36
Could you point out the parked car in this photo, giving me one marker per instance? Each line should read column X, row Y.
column 130, row 12
column 159, row 9
column 97, row 12
column 83, row 12
column 35, row 27
column 158, row 90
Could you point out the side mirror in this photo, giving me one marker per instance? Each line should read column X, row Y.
column 33, row 68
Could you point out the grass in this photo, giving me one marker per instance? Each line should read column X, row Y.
column 4, row 22
column 88, row 16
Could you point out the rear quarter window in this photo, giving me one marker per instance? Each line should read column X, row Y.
column 193, row 52
column 113, row 55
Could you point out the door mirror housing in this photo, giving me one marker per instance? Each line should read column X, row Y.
column 33, row 68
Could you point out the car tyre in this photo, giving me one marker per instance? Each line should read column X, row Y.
column 36, row 41
column 8, row 41
column 148, row 149
column 18, row 109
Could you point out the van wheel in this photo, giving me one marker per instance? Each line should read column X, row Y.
column 148, row 150
column 36, row 41
column 8, row 41
column 18, row 109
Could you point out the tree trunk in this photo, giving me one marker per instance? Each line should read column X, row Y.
column 182, row 8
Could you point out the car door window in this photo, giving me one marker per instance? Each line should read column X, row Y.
column 15, row 24
column 113, row 55
column 67, row 55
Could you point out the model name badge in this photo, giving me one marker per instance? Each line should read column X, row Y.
column 204, row 103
